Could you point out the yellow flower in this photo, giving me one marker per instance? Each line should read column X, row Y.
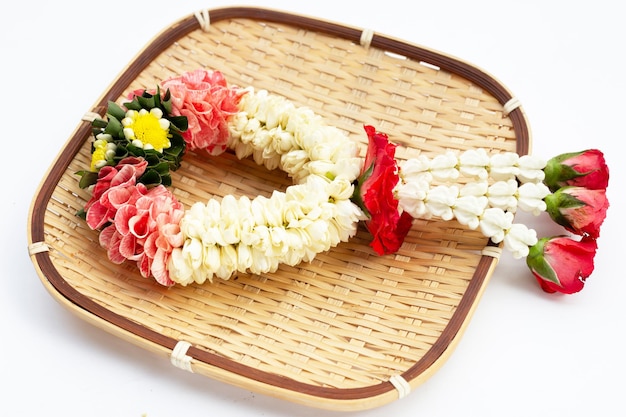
column 102, row 151
column 147, row 129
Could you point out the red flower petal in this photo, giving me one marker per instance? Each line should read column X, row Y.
column 128, row 247
column 98, row 215
column 380, row 176
column 580, row 210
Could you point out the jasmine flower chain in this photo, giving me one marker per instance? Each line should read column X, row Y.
column 498, row 186
column 315, row 214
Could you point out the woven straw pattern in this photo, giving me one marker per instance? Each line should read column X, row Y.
column 349, row 319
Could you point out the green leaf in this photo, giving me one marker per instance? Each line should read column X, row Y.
column 115, row 111
column 87, row 178
column 147, row 101
column 150, row 177
column 114, row 128
column 82, row 214
column 135, row 150
column 167, row 102
column 120, row 152
column 162, row 168
column 357, row 195
column 133, row 105
column 157, row 98
column 152, row 157
column 166, row 180
column 99, row 123
column 180, row 122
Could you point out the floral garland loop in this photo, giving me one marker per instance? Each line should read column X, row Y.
column 137, row 146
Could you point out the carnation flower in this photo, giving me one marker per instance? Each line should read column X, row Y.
column 146, row 230
column 115, row 186
column 206, row 100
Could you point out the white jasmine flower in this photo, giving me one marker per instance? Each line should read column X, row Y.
column 474, row 163
column 244, row 257
column 211, row 259
column 531, row 197
column 503, row 166
column 228, row 227
column 347, row 168
column 518, row 240
column 412, row 198
column 185, row 261
column 192, row 224
column 293, row 163
column 531, row 168
column 321, row 168
column 440, row 200
column 339, row 189
column 495, row 222
column 414, row 166
column 502, row 194
column 282, row 141
column 444, row 167
column 468, row 210
column 346, row 219
column 476, row 189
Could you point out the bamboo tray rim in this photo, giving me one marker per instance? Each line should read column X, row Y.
column 219, row 367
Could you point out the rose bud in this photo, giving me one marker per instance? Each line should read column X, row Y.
column 579, row 210
column 562, row 264
column 582, row 169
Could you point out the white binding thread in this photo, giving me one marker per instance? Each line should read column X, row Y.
column 493, row 251
column 203, row 18
column 90, row 116
column 366, row 38
column 37, row 247
column 511, row 105
column 179, row 357
column 401, row 385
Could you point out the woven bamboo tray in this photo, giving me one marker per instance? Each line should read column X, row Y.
column 350, row 330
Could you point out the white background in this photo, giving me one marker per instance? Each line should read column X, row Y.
column 524, row 352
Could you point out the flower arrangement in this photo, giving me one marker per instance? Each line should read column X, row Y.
column 139, row 219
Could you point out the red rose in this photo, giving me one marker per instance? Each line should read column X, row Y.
column 582, row 169
column 578, row 209
column 561, row 263
column 374, row 194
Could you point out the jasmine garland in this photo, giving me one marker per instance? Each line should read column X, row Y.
column 334, row 189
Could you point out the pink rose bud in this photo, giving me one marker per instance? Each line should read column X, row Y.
column 582, row 169
column 562, row 264
column 580, row 210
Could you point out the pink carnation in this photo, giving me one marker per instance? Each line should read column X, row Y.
column 146, row 231
column 206, row 100
column 114, row 187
